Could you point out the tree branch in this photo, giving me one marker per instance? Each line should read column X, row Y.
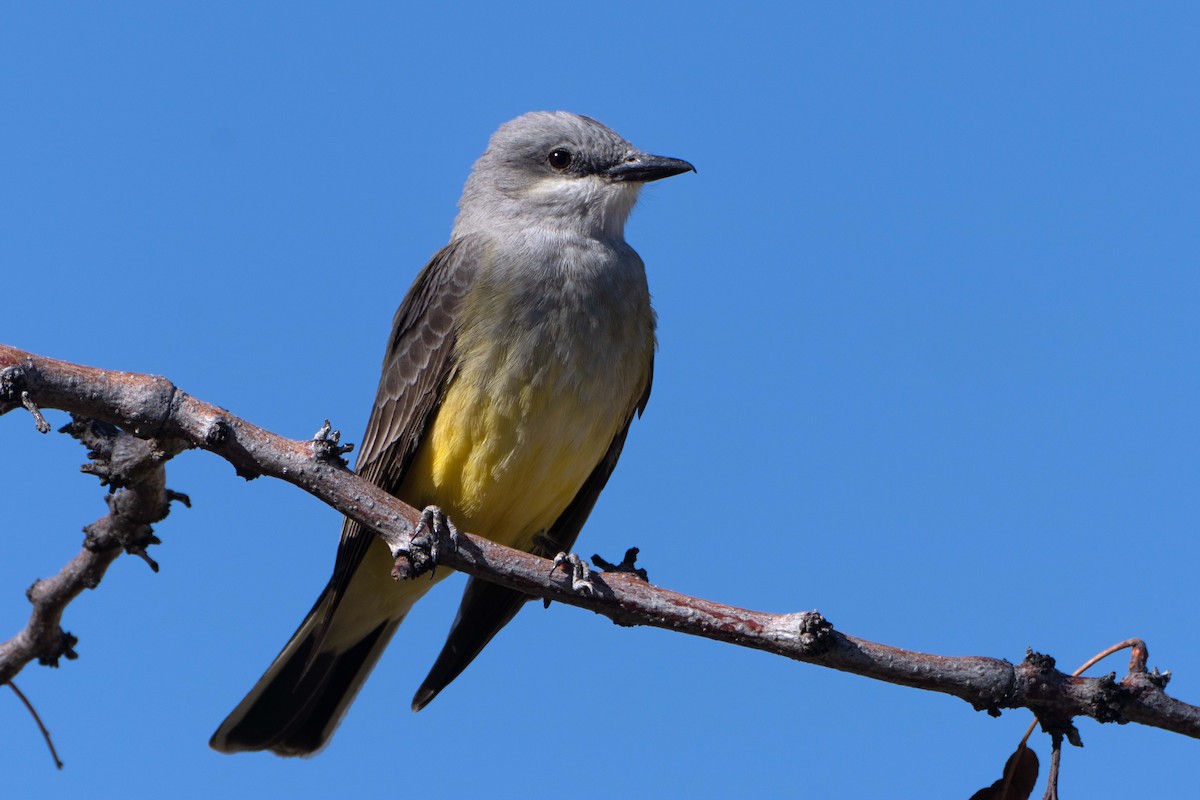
column 169, row 420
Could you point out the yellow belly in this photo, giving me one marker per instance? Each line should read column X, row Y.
column 507, row 452
column 506, row 456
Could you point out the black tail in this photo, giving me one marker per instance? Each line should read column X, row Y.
column 297, row 704
column 485, row 609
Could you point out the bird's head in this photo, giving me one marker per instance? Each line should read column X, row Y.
column 558, row 171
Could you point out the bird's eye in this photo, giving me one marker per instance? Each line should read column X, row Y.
column 559, row 159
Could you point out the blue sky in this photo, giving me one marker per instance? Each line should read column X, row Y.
column 928, row 363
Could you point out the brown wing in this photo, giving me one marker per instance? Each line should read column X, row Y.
column 487, row 607
column 417, row 367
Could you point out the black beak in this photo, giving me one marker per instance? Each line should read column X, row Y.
column 644, row 167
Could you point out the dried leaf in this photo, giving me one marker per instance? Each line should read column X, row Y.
column 1020, row 771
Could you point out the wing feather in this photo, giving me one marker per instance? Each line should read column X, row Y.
column 417, row 367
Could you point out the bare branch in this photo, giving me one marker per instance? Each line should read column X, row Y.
column 133, row 467
column 152, row 408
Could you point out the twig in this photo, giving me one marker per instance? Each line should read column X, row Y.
column 1055, row 758
column 36, row 718
column 39, row 421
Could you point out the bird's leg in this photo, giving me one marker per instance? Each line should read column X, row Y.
column 581, row 575
column 437, row 526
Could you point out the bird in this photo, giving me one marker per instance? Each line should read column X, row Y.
column 515, row 366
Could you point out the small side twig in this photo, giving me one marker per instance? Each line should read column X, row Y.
column 41, row 726
column 1055, row 758
column 628, row 564
column 38, row 420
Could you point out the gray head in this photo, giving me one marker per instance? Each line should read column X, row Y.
column 557, row 171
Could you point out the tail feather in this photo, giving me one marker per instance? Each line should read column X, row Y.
column 485, row 609
column 295, row 707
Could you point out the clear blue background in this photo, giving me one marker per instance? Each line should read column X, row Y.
column 928, row 363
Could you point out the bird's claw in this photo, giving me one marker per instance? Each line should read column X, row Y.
column 581, row 574
column 437, row 527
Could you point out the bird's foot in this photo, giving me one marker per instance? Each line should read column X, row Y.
column 581, row 575
column 434, row 528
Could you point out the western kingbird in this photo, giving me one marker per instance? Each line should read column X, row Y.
column 515, row 366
